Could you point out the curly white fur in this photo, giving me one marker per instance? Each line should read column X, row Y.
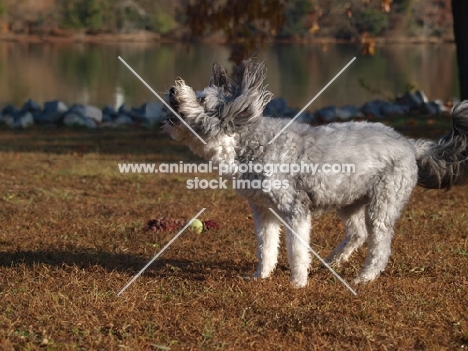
column 228, row 115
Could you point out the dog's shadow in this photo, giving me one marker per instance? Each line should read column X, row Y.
column 125, row 263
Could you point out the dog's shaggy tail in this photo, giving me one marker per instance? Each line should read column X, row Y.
column 445, row 163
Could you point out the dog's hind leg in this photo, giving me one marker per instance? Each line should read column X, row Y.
column 298, row 250
column 353, row 217
column 387, row 201
column 267, row 231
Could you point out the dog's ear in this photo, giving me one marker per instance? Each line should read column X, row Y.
column 219, row 78
column 250, row 75
column 250, row 96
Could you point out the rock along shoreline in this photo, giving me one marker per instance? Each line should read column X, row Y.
column 149, row 115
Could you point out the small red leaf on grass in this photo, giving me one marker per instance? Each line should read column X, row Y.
column 209, row 224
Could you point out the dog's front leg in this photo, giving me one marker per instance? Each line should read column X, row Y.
column 267, row 230
column 298, row 250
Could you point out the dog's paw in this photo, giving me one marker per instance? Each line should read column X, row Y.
column 337, row 258
column 299, row 282
column 299, row 285
column 332, row 262
column 256, row 276
column 264, row 271
column 247, row 278
column 365, row 277
column 260, row 275
column 359, row 280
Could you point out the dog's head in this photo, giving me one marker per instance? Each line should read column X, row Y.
column 227, row 106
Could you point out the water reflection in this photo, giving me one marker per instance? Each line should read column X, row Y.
column 93, row 74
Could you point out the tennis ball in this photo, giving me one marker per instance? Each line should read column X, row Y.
column 196, row 226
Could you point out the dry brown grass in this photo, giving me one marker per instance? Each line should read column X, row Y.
column 71, row 237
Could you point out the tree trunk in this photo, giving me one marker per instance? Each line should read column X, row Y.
column 460, row 29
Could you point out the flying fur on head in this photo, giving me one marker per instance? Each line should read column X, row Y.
column 228, row 114
column 228, row 105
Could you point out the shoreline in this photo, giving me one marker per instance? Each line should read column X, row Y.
column 146, row 37
column 150, row 114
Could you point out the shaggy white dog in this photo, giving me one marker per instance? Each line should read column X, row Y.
column 229, row 116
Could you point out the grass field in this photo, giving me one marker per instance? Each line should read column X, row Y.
column 72, row 235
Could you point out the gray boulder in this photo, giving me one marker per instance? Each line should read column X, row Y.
column 109, row 110
column 72, row 119
column 53, row 112
column 106, row 118
column 94, row 113
column 108, row 113
column 306, row 117
column 26, row 119
column 414, row 100
column 149, row 114
column 20, row 120
column 10, row 110
column 124, row 110
column 393, row 109
column 9, row 120
column 8, row 115
column 421, row 96
column 431, row 108
column 16, row 119
column 276, row 108
column 373, row 108
column 86, row 111
column 122, row 120
column 290, row 112
column 327, row 114
column 347, row 112
column 31, row 106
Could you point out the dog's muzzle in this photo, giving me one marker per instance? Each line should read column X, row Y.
column 170, row 118
column 172, row 100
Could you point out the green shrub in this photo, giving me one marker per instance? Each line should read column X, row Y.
column 82, row 14
column 295, row 14
column 371, row 20
column 128, row 20
column 161, row 22
column 72, row 16
column 3, row 8
column 93, row 15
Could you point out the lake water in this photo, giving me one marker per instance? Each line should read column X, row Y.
column 92, row 74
